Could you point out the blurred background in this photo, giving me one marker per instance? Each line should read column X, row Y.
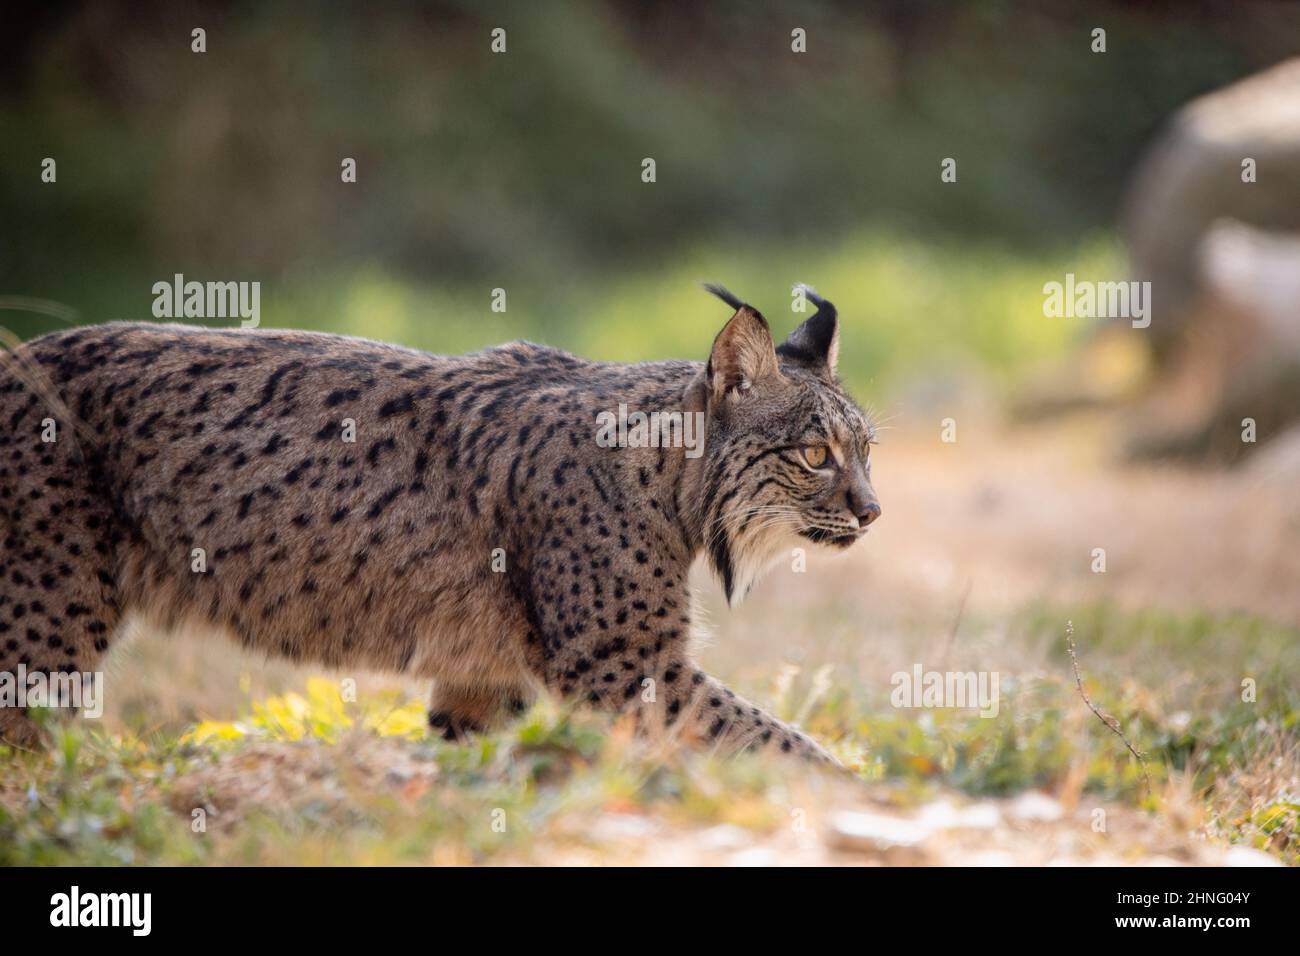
column 522, row 170
column 1100, row 473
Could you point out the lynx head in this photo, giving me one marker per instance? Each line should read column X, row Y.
column 788, row 451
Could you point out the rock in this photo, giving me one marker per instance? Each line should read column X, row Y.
column 1212, row 221
column 898, row 840
column 1192, row 178
column 1248, row 856
column 945, row 815
column 1032, row 806
column 755, row 856
column 725, row 836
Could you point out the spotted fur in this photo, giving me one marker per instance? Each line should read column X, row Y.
column 473, row 533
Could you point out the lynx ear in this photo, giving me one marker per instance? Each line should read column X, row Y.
column 742, row 353
column 816, row 343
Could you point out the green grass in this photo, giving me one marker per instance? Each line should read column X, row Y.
column 305, row 778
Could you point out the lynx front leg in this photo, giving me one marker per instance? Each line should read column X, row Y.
column 458, row 710
column 710, row 712
column 611, row 628
column 684, row 700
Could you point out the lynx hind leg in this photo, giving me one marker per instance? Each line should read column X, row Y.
column 57, row 619
column 458, row 710
column 58, row 600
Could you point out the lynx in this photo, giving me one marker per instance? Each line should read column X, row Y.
column 356, row 504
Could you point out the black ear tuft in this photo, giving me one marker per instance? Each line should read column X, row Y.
column 727, row 296
column 816, row 342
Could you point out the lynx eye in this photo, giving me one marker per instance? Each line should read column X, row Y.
column 815, row 455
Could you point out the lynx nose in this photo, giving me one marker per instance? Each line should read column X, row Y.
column 869, row 513
column 864, row 506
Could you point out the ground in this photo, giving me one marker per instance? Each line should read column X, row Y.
column 984, row 555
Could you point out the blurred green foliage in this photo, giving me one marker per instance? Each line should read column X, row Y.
column 522, row 170
column 905, row 304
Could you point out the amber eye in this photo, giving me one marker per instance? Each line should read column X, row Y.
column 815, row 455
column 866, row 449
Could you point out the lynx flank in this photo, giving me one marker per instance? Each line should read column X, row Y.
column 356, row 504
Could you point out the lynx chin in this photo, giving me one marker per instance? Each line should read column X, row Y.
column 339, row 501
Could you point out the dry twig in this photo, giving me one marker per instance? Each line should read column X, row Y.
column 1106, row 719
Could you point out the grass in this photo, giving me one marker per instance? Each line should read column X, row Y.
column 304, row 777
